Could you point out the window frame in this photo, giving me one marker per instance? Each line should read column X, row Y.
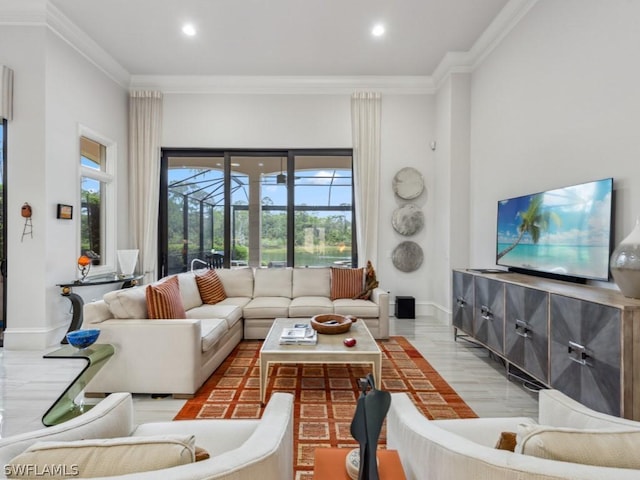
column 228, row 154
column 108, row 180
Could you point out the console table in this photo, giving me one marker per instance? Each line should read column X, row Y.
column 65, row 407
column 579, row 339
column 76, row 300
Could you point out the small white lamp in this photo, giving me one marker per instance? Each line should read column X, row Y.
column 127, row 260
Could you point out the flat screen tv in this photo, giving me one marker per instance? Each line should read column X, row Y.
column 564, row 233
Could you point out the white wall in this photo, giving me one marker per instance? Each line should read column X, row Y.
column 557, row 103
column 56, row 89
column 319, row 121
column 451, row 232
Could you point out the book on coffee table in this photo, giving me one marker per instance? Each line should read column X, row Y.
column 299, row 335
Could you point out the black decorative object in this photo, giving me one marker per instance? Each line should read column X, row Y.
column 366, row 425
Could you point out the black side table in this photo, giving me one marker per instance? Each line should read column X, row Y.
column 76, row 300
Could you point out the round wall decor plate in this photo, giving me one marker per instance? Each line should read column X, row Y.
column 408, row 183
column 407, row 256
column 407, row 220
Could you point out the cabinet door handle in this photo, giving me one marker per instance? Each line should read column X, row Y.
column 460, row 301
column 522, row 328
column 486, row 313
column 577, row 353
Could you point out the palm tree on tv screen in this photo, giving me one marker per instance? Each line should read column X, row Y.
column 534, row 221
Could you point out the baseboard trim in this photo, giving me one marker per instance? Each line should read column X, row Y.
column 33, row 338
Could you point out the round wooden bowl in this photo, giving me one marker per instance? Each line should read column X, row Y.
column 331, row 323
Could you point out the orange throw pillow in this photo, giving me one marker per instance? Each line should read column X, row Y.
column 211, row 288
column 507, row 441
column 164, row 300
column 346, row 282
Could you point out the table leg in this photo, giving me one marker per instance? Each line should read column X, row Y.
column 377, row 372
column 264, row 368
column 76, row 307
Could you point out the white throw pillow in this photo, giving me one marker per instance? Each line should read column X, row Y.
column 102, row 457
column 606, row 448
column 127, row 303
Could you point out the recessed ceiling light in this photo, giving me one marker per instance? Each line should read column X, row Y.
column 189, row 30
column 378, row 30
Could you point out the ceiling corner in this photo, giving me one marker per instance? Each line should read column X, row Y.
column 456, row 62
column 85, row 45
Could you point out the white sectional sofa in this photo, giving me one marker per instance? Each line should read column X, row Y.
column 176, row 356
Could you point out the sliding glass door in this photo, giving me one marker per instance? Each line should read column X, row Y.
column 257, row 208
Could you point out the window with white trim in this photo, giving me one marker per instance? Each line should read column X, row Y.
column 97, row 202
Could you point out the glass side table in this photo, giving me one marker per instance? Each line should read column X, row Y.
column 65, row 407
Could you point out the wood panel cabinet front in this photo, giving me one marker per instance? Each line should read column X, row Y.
column 488, row 326
column 586, row 352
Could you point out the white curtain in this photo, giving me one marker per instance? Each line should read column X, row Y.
column 365, row 126
column 145, row 129
column 6, row 93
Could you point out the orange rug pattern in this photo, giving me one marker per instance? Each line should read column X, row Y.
column 325, row 395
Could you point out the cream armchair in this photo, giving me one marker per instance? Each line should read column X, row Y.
column 238, row 449
column 464, row 448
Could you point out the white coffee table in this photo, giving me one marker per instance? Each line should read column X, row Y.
column 329, row 349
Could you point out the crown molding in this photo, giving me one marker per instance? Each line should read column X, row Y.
column 284, row 85
column 41, row 13
column 465, row 62
column 86, row 46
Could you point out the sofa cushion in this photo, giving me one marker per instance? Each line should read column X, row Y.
column 311, row 282
column 210, row 287
column 267, row 307
column 606, row 448
column 127, row 303
column 164, row 300
column 105, row 456
column 213, row 329
column 232, row 314
column 359, row 308
column 272, row 282
column 310, row 306
column 237, row 282
column 235, row 301
column 346, row 282
column 189, row 290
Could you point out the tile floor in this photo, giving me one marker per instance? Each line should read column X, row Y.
column 29, row 384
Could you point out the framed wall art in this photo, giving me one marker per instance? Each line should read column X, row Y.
column 65, row 212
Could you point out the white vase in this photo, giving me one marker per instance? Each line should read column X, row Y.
column 625, row 264
column 127, row 260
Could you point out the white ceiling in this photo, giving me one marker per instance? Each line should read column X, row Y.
column 281, row 37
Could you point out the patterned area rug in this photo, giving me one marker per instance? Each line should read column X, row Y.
column 325, row 395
